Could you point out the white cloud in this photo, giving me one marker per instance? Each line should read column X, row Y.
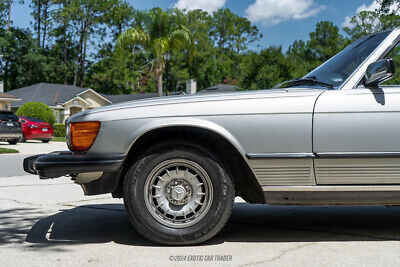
column 270, row 12
column 206, row 5
column 373, row 6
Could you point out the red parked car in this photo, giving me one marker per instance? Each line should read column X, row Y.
column 35, row 129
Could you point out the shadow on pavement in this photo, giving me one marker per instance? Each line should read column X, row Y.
column 16, row 223
column 249, row 223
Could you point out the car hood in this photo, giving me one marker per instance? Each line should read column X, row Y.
column 204, row 97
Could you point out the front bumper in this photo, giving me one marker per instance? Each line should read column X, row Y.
column 63, row 163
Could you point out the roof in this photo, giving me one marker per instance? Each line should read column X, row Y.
column 128, row 97
column 220, row 88
column 52, row 94
column 49, row 93
column 4, row 95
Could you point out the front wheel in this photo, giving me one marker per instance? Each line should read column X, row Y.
column 178, row 194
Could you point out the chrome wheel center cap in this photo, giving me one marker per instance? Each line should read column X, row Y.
column 178, row 193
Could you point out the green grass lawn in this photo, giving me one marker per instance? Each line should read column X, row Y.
column 7, row 150
column 59, row 139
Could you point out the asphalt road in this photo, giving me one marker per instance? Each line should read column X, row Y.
column 51, row 222
column 11, row 164
column 36, row 147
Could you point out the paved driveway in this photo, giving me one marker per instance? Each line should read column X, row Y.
column 52, row 223
column 11, row 164
column 36, row 147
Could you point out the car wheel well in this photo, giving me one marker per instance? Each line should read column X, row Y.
column 246, row 184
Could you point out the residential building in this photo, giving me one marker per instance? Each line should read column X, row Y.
column 67, row 100
column 6, row 99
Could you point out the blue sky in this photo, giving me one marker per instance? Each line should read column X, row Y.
column 280, row 21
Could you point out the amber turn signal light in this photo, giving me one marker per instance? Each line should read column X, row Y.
column 83, row 134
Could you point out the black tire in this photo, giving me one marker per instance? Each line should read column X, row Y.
column 45, row 141
column 214, row 219
column 13, row 142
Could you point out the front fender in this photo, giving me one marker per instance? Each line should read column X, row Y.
column 120, row 135
column 188, row 122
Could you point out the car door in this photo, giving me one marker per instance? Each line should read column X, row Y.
column 357, row 136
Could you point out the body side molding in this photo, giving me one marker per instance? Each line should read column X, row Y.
column 332, row 188
column 323, row 155
column 358, row 155
column 280, row 155
column 332, row 195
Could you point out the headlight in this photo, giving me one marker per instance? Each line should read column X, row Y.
column 81, row 135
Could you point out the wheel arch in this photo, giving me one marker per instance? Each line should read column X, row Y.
column 214, row 137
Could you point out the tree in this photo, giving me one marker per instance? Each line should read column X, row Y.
column 157, row 33
column 89, row 17
column 123, row 15
column 266, row 69
column 3, row 13
column 302, row 58
column 232, row 31
column 24, row 62
column 89, row 43
column 8, row 4
column 367, row 22
column 326, row 41
column 363, row 23
column 78, row 23
column 117, row 72
column 42, row 19
column 389, row 14
column 37, row 110
column 389, row 6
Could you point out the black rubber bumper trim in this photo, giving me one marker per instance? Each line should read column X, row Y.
column 59, row 164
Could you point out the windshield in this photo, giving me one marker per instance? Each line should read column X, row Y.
column 338, row 69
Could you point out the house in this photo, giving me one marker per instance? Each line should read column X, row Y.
column 6, row 99
column 67, row 100
column 220, row 88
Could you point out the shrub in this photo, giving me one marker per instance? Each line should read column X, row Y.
column 59, row 130
column 37, row 110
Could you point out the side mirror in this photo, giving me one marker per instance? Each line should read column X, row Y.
column 378, row 72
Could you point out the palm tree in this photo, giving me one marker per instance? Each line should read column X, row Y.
column 158, row 32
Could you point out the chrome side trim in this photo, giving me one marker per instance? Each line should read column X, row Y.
column 280, row 155
column 349, row 198
column 358, row 155
column 335, row 188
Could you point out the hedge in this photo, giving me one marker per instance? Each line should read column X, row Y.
column 37, row 110
column 59, row 130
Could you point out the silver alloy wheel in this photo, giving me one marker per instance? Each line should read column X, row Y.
column 178, row 193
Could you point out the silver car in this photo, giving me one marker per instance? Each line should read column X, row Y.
column 329, row 138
